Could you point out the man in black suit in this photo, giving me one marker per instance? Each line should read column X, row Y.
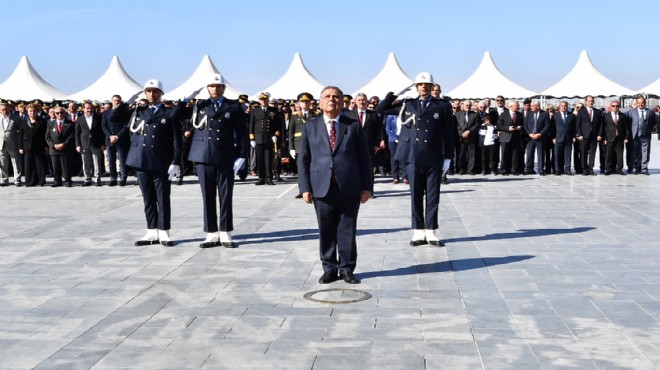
column 563, row 128
column 60, row 137
column 614, row 135
column 537, row 126
column 218, row 149
column 372, row 126
column 335, row 174
column 266, row 127
column 588, row 126
column 468, row 130
column 510, row 126
column 90, row 143
column 426, row 147
column 115, row 128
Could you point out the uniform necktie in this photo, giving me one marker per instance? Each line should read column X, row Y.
column 362, row 118
column 152, row 110
column 59, row 127
column 305, row 117
column 333, row 135
column 215, row 105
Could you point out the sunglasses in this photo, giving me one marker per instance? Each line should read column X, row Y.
column 59, row 112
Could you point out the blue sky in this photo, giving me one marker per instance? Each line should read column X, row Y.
column 343, row 43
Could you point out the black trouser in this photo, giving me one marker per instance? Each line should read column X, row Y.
column 337, row 218
column 614, row 156
column 33, row 167
column 588, row 154
column 117, row 150
column 424, row 180
column 511, row 156
column 562, row 156
column 489, row 157
column 216, row 181
column 61, row 165
column 467, row 156
column 156, row 188
column 264, row 154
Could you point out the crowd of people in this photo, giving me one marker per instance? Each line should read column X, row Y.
column 63, row 139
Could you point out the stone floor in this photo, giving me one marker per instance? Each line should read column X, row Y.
column 538, row 272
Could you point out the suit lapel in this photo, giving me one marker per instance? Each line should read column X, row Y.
column 341, row 129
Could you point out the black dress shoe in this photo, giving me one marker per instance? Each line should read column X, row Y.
column 68, row 184
column 607, row 173
column 417, row 243
column 269, row 182
column 261, row 182
column 122, row 183
column 98, row 182
column 168, row 243
column 209, row 244
column 620, row 173
column 179, row 182
column 298, row 196
column 228, row 244
column 349, row 278
column 436, row 243
column 56, row 185
column 3, row 184
column 444, row 181
column 86, row 183
column 139, row 243
column 113, row 183
column 328, row 277
column 542, row 174
column 18, row 184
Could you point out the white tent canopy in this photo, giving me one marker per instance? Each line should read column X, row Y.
column 26, row 84
column 652, row 89
column 390, row 78
column 115, row 81
column 487, row 82
column 198, row 81
column 295, row 80
column 584, row 79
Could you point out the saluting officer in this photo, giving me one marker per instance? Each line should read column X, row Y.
column 425, row 146
column 266, row 125
column 155, row 153
column 218, row 138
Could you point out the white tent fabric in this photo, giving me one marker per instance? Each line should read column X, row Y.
column 295, row 80
column 198, row 81
column 26, row 84
column 115, row 81
column 584, row 79
column 652, row 89
column 390, row 78
column 487, row 82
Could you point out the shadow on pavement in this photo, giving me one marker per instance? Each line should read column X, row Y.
column 524, row 233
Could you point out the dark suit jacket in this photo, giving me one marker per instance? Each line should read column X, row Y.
column 33, row 137
column 434, row 141
column 222, row 138
column 115, row 122
column 615, row 131
column 587, row 128
column 66, row 137
column 265, row 125
column 542, row 124
column 472, row 124
column 373, row 129
column 89, row 136
column 159, row 145
column 504, row 122
column 563, row 130
column 349, row 161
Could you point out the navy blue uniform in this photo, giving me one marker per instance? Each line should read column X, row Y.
column 115, row 122
column 154, row 147
column 218, row 139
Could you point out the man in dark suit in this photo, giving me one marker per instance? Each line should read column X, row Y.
column 115, row 128
column 10, row 125
column 219, row 132
column 563, row 128
column 372, row 126
column 426, row 146
column 587, row 127
column 642, row 122
column 60, row 137
column 266, row 127
column 510, row 126
column 90, row 143
column 537, row 126
column 335, row 174
column 614, row 133
column 468, row 130
column 155, row 153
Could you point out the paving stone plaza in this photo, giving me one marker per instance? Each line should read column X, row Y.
column 546, row 272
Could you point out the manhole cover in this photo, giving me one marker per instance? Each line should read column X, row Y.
column 337, row 295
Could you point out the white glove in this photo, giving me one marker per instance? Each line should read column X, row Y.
column 445, row 165
column 172, row 171
column 274, row 138
column 253, row 143
column 293, row 153
column 238, row 163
